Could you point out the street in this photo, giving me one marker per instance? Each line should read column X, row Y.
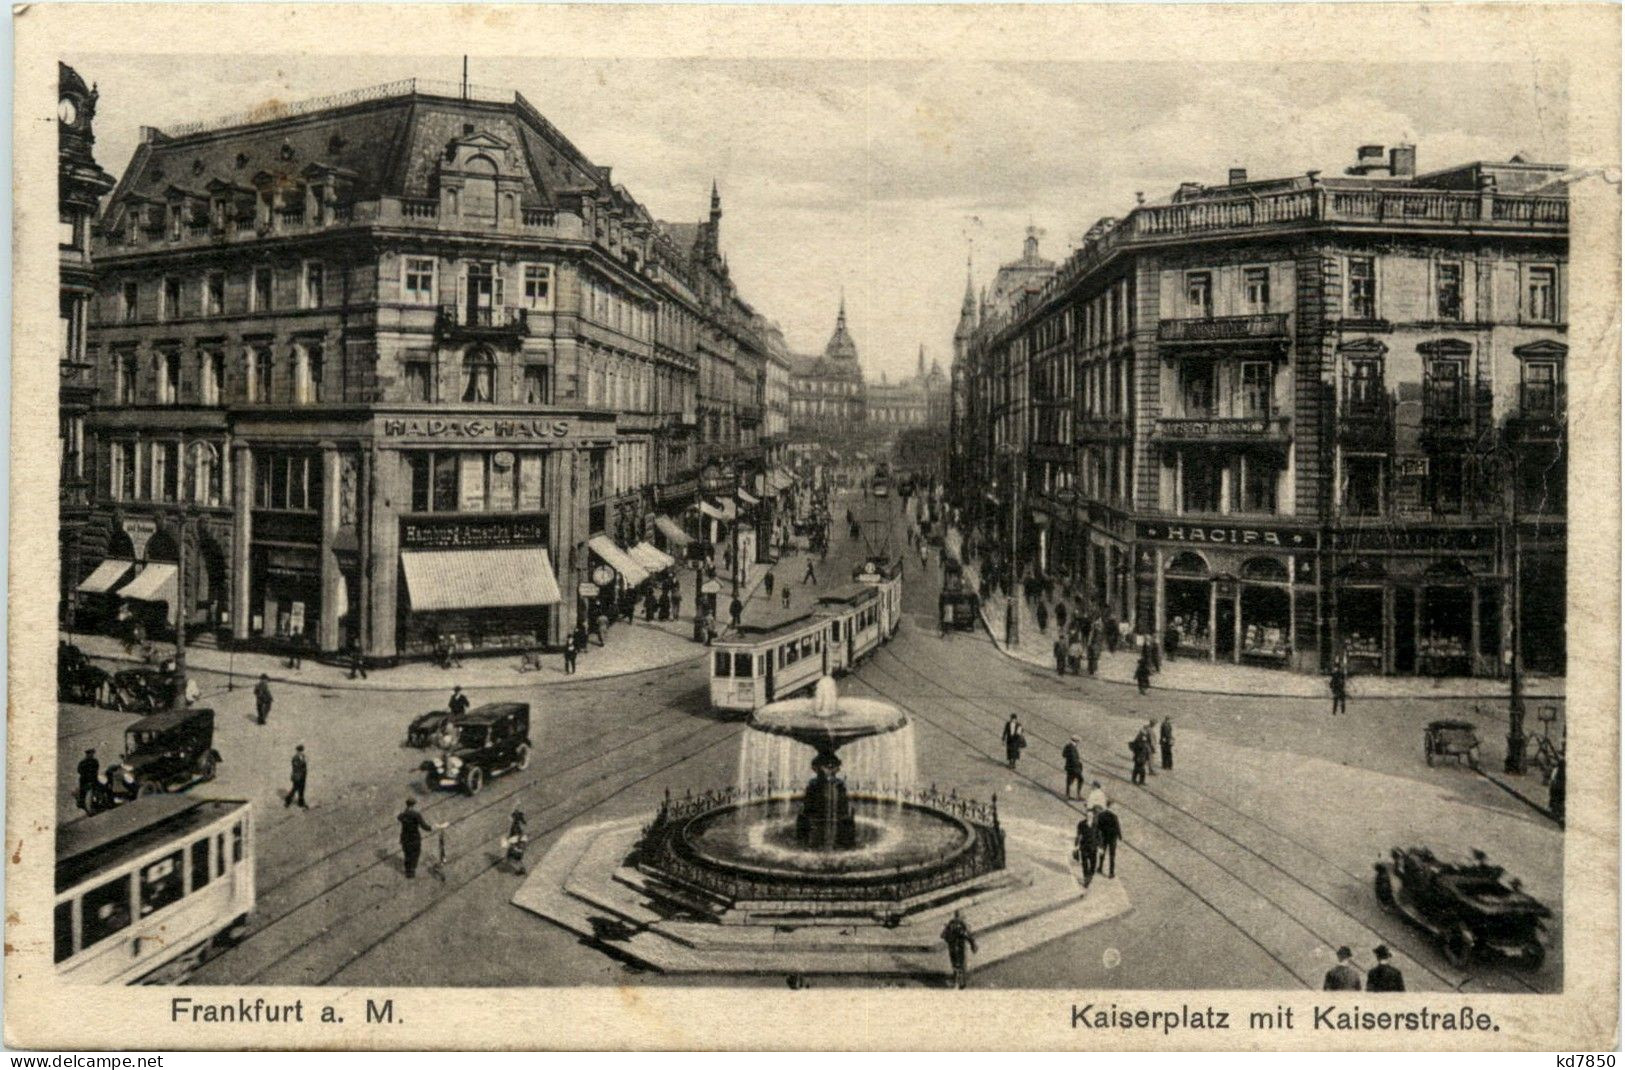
column 1246, row 865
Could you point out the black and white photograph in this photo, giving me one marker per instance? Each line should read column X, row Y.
column 879, row 521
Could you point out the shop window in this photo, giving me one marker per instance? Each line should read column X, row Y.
column 445, row 483
column 1447, row 291
column 535, row 389
column 419, row 380
column 1256, row 485
column 1198, row 297
column 1362, row 485
column 418, row 283
column 1446, row 479
column 106, row 910
column 1362, row 288
column 1540, row 294
column 1256, row 388
column 1444, row 396
column 1489, row 621
column 419, row 466
column 1201, row 482
column 479, row 375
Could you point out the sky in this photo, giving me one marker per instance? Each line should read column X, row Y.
column 878, row 179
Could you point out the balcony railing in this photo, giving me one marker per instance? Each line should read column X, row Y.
column 475, row 321
column 1267, row 325
column 1219, row 429
column 419, row 209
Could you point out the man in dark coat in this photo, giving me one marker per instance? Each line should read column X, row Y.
column 1041, row 612
column 1167, row 740
column 581, row 636
column 736, row 609
column 1060, row 654
column 1142, row 672
column 413, row 826
column 262, row 698
column 1073, row 761
column 296, row 777
column 458, row 703
column 1149, row 735
column 1384, row 976
column 957, row 935
column 1108, row 830
column 90, row 773
column 1088, row 848
column 767, row 583
column 1060, row 616
column 1014, row 740
column 1343, row 977
column 1142, row 758
column 569, row 654
column 810, row 576
column 1339, row 683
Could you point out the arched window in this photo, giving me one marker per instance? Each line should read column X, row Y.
column 480, row 189
column 1263, row 568
column 1188, row 564
column 479, row 375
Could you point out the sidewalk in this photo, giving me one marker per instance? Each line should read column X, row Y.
column 1218, row 678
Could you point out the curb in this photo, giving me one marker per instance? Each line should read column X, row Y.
column 1521, row 797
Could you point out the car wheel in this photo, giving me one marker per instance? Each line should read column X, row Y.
column 473, row 781
column 1383, row 885
column 1458, row 946
column 522, row 757
column 149, row 787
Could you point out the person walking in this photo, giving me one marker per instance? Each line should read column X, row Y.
column 767, row 583
column 1340, row 690
column 736, row 609
column 1073, row 762
column 1094, row 654
column 1142, row 671
column 1108, row 830
column 784, row 593
column 1041, row 614
column 1384, row 976
column 960, row 940
column 296, row 776
column 581, row 636
column 515, row 842
column 1060, row 654
column 570, row 655
column 262, row 699
column 809, row 576
column 1074, row 655
column 1015, row 739
column 1086, row 848
column 1142, row 759
column 600, row 625
column 1343, row 977
column 1149, row 734
column 458, row 703
column 676, row 602
column 1060, row 616
column 413, row 826
column 90, row 774
column 650, row 604
column 1166, row 737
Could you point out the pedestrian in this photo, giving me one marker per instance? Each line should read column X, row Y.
column 454, row 660
column 1137, row 747
column 1111, row 633
column 1340, row 690
column 663, row 607
column 809, row 576
column 1167, row 740
column 515, row 842
column 1087, row 848
column 413, row 826
column 581, row 636
column 649, row 605
column 1041, row 612
column 1015, row 740
column 458, row 703
column 676, row 602
column 1155, row 649
column 925, row 555
column 358, row 664
column 1073, row 761
column 736, row 609
column 1097, row 796
column 1094, row 655
column 767, row 583
column 957, row 935
column 1384, row 976
column 1343, row 977
column 262, row 698
column 784, row 594
column 1060, row 654
column 1172, row 637
column 297, row 777
column 1060, row 616
column 1142, row 671
column 1074, row 655
column 90, row 774
column 600, row 625
column 1108, row 830
column 570, row 654
column 1149, row 734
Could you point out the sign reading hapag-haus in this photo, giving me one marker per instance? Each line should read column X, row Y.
column 539, row 428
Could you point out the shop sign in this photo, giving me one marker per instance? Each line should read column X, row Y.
column 535, row 428
column 1227, row 535
column 1471, row 539
column 711, row 587
column 140, row 531
column 1410, row 467
column 273, row 526
column 472, row 533
column 587, row 590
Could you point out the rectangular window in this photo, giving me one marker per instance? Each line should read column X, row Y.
column 164, row 465
column 742, row 666
column 1540, row 304
column 211, row 373
column 1362, row 485
column 445, row 483
column 307, row 373
column 1449, row 291
column 419, row 465
column 121, row 470
column 1256, row 284
column 169, row 306
column 535, row 388
column 214, row 293
column 124, row 377
column 1198, row 296
column 200, row 864
column 539, row 286
column 106, row 910
column 419, row 281
column 1365, row 388
column 1539, row 389
column 167, row 374
column 1256, row 485
column 64, row 930
column 1362, row 281
column 315, row 295
column 1196, row 388
column 723, row 665
column 130, row 302
column 1201, row 482
column 261, row 299
column 1256, row 384
column 419, row 378
column 1445, row 393
column 289, row 480
column 471, row 482
column 530, row 481
column 259, row 374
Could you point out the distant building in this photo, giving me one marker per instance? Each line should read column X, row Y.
column 827, row 391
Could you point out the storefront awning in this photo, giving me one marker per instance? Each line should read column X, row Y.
column 747, row 497
column 155, row 583
column 650, row 557
column 106, row 577
column 617, row 559
column 479, row 579
column 674, row 534
column 725, row 511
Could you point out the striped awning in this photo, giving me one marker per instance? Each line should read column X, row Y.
column 617, row 559
column 650, row 557
column 106, row 577
column 479, row 579
column 155, row 583
column 672, row 531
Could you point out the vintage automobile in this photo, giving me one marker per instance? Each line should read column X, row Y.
column 426, row 728
column 1465, row 904
column 162, row 753
column 486, row 741
column 144, row 689
column 1451, row 739
column 78, row 679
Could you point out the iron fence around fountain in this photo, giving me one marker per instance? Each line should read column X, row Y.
column 693, row 804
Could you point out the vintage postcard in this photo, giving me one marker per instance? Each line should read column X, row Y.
column 833, row 527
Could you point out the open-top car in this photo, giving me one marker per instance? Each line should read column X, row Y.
column 484, row 742
column 426, row 728
column 165, row 752
column 1451, row 739
column 1466, row 904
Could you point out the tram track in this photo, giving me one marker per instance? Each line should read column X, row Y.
column 1133, row 804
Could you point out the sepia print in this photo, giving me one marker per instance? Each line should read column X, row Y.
column 562, row 527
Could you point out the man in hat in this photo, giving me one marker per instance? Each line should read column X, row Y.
column 1384, row 976
column 413, row 826
column 957, row 935
column 1343, row 977
column 90, row 774
column 1149, row 734
column 1167, row 740
column 1108, row 830
column 296, row 777
column 1087, row 847
column 1073, row 761
column 458, row 703
column 262, row 699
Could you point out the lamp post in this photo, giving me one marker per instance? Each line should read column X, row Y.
column 1512, row 542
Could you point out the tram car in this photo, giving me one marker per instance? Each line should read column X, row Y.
column 887, row 577
column 755, row 666
column 150, row 888
column 856, row 613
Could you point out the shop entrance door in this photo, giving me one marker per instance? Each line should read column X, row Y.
column 1224, row 629
column 1404, row 630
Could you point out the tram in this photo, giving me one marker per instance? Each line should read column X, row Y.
column 887, row 577
column 152, row 884
column 756, row 666
column 855, row 613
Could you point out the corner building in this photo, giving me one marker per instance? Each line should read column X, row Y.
column 1296, row 420
column 392, row 366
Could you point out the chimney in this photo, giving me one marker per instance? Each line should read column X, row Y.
column 1188, row 190
column 1368, row 160
column 1402, row 161
column 1238, row 175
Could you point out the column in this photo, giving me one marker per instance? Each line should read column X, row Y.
column 1472, row 654
column 1159, row 592
column 241, row 541
column 327, row 620
column 382, row 578
column 1212, row 618
column 1235, row 646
